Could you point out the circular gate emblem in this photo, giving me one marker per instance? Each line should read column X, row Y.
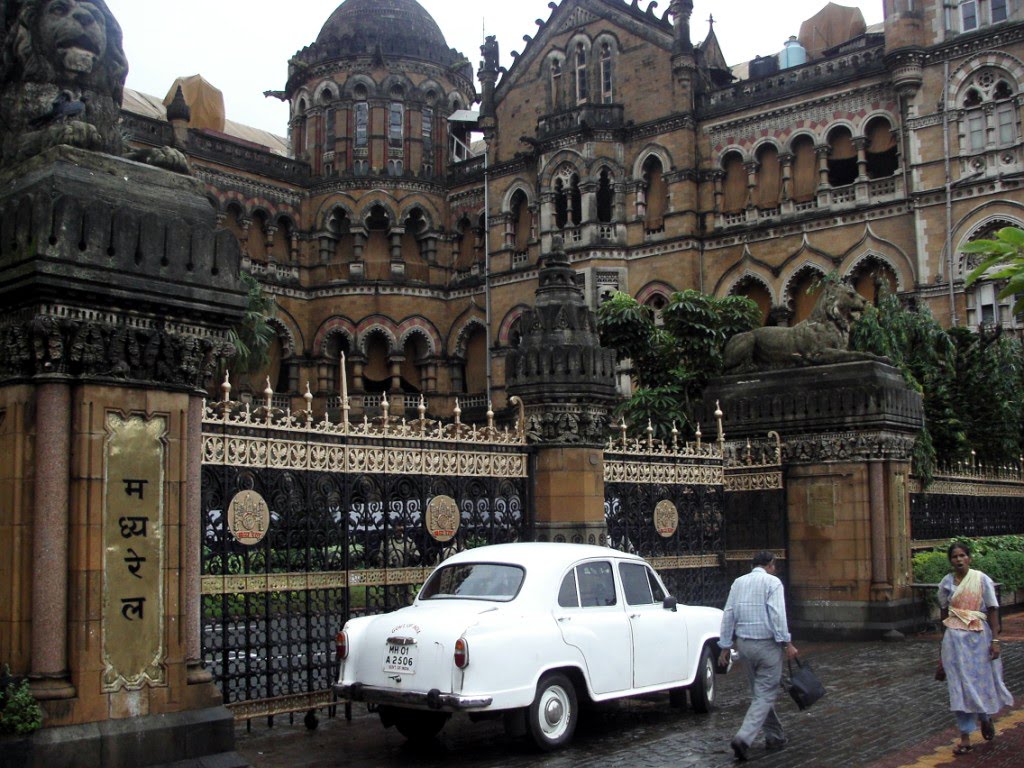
column 248, row 518
column 666, row 518
column 442, row 518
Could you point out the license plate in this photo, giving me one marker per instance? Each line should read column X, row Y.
column 400, row 658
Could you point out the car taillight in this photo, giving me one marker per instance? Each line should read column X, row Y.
column 341, row 646
column 461, row 653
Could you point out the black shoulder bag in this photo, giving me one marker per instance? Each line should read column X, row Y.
column 804, row 685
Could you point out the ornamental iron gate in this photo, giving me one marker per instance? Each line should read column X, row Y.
column 308, row 523
column 698, row 512
column 966, row 504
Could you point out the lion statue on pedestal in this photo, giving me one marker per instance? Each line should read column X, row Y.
column 64, row 67
column 821, row 339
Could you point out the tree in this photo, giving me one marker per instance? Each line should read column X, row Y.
column 252, row 336
column 671, row 362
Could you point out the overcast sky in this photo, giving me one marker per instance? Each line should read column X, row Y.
column 243, row 47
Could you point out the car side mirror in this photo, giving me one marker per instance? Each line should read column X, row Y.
column 670, row 603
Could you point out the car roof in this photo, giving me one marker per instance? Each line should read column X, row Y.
column 538, row 554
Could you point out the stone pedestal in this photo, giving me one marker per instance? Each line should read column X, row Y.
column 848, row 432
column 117, row 294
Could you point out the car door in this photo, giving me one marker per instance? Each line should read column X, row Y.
column 658, row 637
column 591, row 618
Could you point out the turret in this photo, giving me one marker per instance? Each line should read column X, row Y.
column 179, row 115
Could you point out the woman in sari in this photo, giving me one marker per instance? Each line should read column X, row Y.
column 970, row 647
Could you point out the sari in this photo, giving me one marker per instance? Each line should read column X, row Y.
column 974, row 680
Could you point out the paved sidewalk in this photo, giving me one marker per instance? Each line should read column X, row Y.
column 884, row 709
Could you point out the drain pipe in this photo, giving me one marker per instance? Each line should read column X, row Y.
column 949, row 194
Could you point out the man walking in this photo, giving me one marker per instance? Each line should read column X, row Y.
column 755, row 615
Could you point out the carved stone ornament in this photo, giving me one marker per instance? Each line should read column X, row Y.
column 666, row 518
column 847, row 446
column 248, row 518
column 442, row 518
column 111, row 348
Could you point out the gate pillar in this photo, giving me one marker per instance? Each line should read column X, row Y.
column 118, row 293
column 848, row 433
column 566, row 381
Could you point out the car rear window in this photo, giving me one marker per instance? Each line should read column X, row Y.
column 478, row 581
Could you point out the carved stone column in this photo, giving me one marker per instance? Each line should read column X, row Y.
column 566, row 382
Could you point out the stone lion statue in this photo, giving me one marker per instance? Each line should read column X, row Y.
column 63, row 67
column 822, row 338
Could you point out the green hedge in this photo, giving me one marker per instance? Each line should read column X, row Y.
column 1001, row 557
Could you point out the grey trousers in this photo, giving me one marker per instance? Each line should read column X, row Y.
column 763, row 662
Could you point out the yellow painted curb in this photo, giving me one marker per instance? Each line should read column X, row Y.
column 943, row 755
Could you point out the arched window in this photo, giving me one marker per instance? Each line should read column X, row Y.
column 362, row 123
column 656, row 191
column 467, row 244
column 607, row 76
column 984, row 307
column 377, row 250
column 556, row 85
column 520, row 210
column 881, row 153
column 842, row 157
column 973, row 14
column 990, row 112
column 769, row 177
column 427, row 136
column 605, row 198
column 734, row 189
column 396, row 132
column 872, row 277
column 805, row 169
column 755, row 290
column 581, row 73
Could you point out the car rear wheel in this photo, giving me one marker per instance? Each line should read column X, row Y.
column 416, row 725
column 702, row 690
column 552, row 716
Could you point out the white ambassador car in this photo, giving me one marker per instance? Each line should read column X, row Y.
column 528, row 631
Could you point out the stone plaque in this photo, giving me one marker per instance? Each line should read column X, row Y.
column 133, row 552
column 821, row 504
column 442, row 518
column 666, row 518
column 248, row 518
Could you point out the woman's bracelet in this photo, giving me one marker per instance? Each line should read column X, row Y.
column 995, row 640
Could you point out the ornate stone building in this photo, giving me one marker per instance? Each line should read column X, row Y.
column 875, row 152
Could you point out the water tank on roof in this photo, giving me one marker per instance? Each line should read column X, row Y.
column 793, row 54
column 763, row 66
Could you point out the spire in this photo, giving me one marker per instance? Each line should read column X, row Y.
column 680, row 11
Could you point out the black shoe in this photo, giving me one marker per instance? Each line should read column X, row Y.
column 739, row 749
column 773, row 745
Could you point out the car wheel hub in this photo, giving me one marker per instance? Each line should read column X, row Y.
column 554, row 711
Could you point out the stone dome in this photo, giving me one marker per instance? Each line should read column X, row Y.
column 397, row 27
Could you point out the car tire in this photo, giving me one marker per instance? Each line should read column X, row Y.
column 551, row 718
column 417, row 725
column 702, row 690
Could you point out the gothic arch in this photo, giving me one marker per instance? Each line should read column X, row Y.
column 353, row 81
column 321, row 88
column 652, row 289
column 799, row 134
column 566, row 157
column 872, row 254
column 508, row 323
column 367, row 207
column 328, row 210
column 330, row 327
column 285, row 335
column 519, row 185
column 652, row 150
column 419, row 326
column 458, row 340
column 377, row 325
column 795, row 274
column 749, row 275
column 998, row 59
column 982, row 227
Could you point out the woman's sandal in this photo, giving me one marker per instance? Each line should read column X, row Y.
column 988, row 730
column 962, row 749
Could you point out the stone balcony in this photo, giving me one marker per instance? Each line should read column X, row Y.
column 585, row 116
